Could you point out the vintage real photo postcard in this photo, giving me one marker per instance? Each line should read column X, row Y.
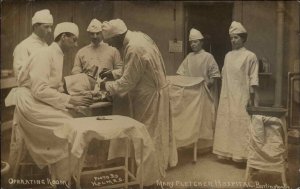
column 150, row 94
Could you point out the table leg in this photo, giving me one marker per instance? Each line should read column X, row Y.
column 142, row 165
column 195, row 152
column 126, row 163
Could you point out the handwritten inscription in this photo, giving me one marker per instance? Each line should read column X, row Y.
column 107, row 180
column 216, row 184
column 37, row 182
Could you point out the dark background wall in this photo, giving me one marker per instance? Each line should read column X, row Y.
column 16, row 22
column 165, row 21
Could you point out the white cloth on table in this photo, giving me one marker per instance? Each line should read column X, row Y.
column 192, row 109
column 80, row 131
column 240, row 71
column 267, row 143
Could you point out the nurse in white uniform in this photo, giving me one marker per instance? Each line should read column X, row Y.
column 239, row 82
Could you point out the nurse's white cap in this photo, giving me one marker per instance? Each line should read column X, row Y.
column 236, row 28
column 43, row 16
column 113, row 28
column 195, row 34
column 66, row 27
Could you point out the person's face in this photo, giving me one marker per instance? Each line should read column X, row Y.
column 96, row 37
column 68, row 42
column 236, row 41
column 115, row 42
column 44, row 31
column 196, row 45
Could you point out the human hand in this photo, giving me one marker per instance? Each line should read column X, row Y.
column 102, row 86
column 81, row 100
column 250, row 103
column 61, row 88
column 108, row 97
column 251, row 100
column 208, row 84
column 92, row 82
column 106, row 73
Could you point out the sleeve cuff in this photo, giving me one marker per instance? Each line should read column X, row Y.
column 254, row 83
column 109, row 88
column 65, row 99
column 117, row 73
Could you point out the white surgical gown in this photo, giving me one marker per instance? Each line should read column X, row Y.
column 24, row 49
column 41, row 107
column 144, row 79
column 21, row 55
column 103, row 56
column 240, row 71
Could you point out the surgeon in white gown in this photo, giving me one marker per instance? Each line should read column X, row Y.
column 41, row 105
column 144, row 79
column 239, row 82
column 42, row 22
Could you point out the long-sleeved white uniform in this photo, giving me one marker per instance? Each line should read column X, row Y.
column 103, row 56
column 144, row 79
column 41, row 107
column 25, row 49
column 202, row 64
column 199, row 64
column 240, row 71
column 21, row 55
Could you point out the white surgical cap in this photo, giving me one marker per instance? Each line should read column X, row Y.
column 42, row 16
column 95, row 26
column 113, row 28
column 236, row 28
column 66, row 27
column 195, row 34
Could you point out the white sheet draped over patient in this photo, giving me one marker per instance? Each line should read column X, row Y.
column 193, row 111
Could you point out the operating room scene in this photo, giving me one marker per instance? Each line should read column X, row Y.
column 150, row 94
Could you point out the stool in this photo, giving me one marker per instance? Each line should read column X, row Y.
column 19, row 163
column 128, row 173
column 195, row 152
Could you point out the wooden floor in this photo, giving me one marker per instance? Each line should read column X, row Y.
column 191, row 175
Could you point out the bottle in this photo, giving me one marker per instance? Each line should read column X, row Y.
column 94, row 72
column 266, row 65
